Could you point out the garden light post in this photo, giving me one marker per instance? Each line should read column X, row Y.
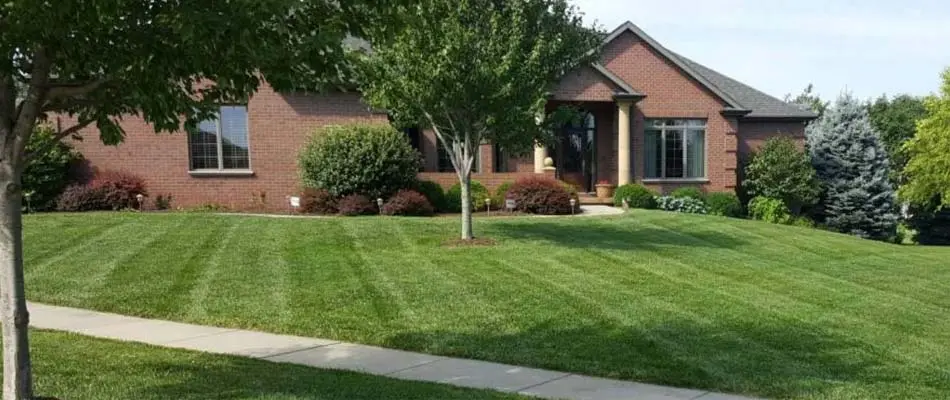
column 379, row 204
column 573, row 204
column 488, row 205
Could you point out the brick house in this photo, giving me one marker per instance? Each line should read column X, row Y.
column 652, row 116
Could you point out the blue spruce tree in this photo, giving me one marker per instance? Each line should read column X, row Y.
column 853, row 166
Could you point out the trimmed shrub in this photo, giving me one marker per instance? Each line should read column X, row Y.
column 769, row 210
column 163, row 202
column 780, row 170
column 690, row 192
column 725, row 204
column 81, row 198
column 637, row 196
column 432, row 192
column 318, row 201
column 803, row 222
column 356, row 204
column 541, row 195
column 453, row 197
column 119, row 189
column 408, row 203
column 501, row 193
column 47, row 173
column 374, row 160
column 687, row 205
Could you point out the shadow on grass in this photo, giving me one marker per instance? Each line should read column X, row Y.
column 752, row 358
column 613, row 234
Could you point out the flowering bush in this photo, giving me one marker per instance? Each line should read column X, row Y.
column 687, row 205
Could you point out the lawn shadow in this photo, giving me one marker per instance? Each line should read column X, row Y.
column 612, row 234
column 752, row 358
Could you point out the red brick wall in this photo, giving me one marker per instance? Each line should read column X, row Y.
column 279, row 124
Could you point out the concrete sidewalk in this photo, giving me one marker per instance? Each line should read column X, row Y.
column 331, row 354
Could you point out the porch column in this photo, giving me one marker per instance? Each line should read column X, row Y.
column 540, row 153
column 623, row 141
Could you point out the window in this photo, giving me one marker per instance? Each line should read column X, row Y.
column 501, row 159
column 445, row 163
column 675, row 148
column 221, row 143
column 415, row 140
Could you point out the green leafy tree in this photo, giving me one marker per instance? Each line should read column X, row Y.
column 896, row 121
column 477, row 71
column 853, row 166
column 927, row 172
column 781, row 170
column 47, row 174
column 809, row 100
column 93, row 61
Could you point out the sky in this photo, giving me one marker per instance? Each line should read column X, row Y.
column 869, row 47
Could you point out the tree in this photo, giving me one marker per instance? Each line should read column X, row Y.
column 477, row 71
column 853, row 166
column 811, row 101
column 781, row 170
column 896, row 120
column 166, row 61
column 928, row 167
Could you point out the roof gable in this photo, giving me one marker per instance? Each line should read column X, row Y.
column 740, row 99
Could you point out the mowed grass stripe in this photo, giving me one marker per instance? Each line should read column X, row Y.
column 695, row 301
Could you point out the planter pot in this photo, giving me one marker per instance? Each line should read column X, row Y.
column 604, row 191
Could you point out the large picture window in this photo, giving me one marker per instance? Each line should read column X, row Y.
column 445, row 163
column 221, row 143
column 675, row 148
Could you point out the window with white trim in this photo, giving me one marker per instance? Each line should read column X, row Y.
column 675, row 149
column 221, row 143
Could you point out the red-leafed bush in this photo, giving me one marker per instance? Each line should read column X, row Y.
column 81, row 198
column 408, row 203
column 108, row 190
column 119, row 189
column 356, row 204
column 318, row 201
column 540, row 195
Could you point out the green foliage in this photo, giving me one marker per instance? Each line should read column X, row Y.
column 770, row 210
column 432, row 192
column 47, row 174
column 374, row 160
column 928, row 167
column 163, row 202
column 690, row 192
column 853, row 166
column 725, row 204
column 896, row 121
column 808, row 100
column 685, row 204
column 453, row 197
column 501, row 194
column 930, row 223
column 803, row 222
column 637, row 196
column 781, row 170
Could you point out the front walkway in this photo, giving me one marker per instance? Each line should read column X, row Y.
column 332, row 354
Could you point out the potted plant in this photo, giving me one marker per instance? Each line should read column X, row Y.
column 605, row 189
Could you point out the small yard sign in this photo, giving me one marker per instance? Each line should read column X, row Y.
column 510, row 204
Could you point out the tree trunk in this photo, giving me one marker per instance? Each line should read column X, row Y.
column 465, row 181
column 17, row 378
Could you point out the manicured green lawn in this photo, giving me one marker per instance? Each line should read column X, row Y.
column 693, row 301
column 73, row 367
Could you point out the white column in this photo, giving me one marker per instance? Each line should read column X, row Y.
column 623, row 142
column 540, row 153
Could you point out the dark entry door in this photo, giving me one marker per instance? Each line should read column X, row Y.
column 574, row 157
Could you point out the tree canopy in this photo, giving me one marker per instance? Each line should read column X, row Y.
column 477, row 71
column 809, row 100
column 928, row 166
column 896, row 121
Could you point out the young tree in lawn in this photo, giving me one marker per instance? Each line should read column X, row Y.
column 477, row 71
column 164, row 61
column 853, row 165
column 928, row 166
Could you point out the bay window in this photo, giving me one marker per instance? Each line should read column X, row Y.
column 675, row 149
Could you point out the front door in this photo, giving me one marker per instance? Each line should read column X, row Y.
column 574, row 158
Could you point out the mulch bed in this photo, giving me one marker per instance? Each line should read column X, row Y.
column 476, row 242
